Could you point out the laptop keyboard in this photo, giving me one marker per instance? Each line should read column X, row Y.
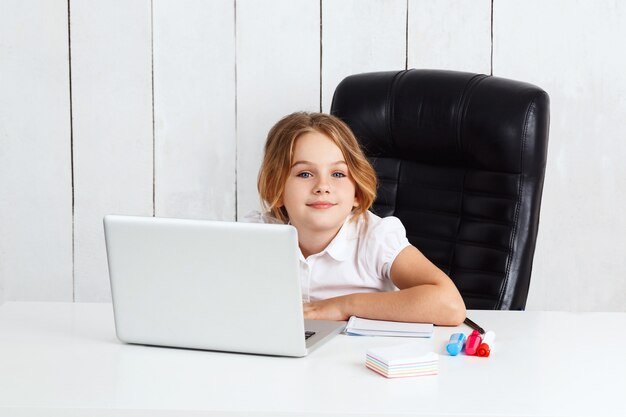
column 308, row 334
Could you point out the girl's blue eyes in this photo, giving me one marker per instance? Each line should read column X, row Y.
column 309, row 175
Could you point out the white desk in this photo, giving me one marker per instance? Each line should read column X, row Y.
column 62, row 359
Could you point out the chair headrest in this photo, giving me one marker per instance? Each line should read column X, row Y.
column 447, row 118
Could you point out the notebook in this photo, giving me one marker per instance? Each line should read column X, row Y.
column 210, row 285
column 365, row 327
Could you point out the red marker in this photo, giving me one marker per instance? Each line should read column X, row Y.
column 473, row 341
column 485, row 347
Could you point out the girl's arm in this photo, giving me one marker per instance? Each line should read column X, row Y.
column 426, row 295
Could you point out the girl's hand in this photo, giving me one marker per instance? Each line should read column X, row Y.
column 331, row 309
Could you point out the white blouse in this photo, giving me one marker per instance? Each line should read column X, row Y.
column 357, row 260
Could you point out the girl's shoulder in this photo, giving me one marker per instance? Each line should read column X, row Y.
column 258, row 217
column 377, row 233
column 384, row 238
column 374, row 226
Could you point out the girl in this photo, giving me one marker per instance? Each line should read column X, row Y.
column 315, row 177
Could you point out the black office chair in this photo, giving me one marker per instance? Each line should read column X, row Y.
column 460, row 159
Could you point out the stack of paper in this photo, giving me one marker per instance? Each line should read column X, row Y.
column 365, row 327
column 401, row 361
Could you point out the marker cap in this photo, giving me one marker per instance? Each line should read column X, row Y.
column 455, row 344
column 485, row 347
column 483, row 350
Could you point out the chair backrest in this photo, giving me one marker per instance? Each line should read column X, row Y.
column 460, row 159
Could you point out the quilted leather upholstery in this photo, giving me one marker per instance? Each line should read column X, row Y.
column 461, row 160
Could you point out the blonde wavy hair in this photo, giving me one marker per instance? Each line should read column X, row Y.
column 278, row 158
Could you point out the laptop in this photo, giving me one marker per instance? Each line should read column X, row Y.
column 209, row 285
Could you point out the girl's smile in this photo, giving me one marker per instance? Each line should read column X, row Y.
column 321, row 205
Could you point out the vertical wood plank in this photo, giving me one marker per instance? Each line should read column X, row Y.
column 360, row 36
column 35, row 152
column 112, row 119
column 575, row 52
column 278, row 72
column 194, row 105
column 450, row 34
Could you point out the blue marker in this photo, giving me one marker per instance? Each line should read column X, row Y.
column 455, row 344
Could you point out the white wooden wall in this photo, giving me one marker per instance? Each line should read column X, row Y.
column 35, row 152
column 112, row 125
column 194, row 109
column 168, row 103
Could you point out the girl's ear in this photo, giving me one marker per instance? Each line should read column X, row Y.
column 356, row 202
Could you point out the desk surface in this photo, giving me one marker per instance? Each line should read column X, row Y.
column 60, row 359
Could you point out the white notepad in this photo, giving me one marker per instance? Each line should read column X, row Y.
column 400, row 361
column 365, row 327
